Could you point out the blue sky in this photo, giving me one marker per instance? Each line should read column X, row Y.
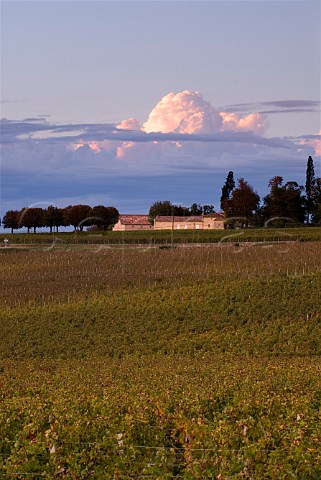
column 73, row 71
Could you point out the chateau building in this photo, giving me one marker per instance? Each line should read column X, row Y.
column 212, row 221
column 133, row 222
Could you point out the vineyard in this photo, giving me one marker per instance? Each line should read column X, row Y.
column 162, row 363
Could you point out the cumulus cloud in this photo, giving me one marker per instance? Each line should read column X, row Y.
column 255, row 122
column 129, row 124
column 183, row 134
column 184, row 116
column 183, row 112
column 188, row 112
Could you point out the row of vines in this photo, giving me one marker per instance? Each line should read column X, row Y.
column 161, row 363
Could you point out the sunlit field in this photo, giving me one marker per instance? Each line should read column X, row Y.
column 192, row 362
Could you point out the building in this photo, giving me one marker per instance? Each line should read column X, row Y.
column 212, row 221
column 133, row 222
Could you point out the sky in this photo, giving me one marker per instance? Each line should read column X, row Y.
column 125, row 103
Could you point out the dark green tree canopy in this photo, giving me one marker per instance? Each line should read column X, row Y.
column 316, row 218
column 275, row 182
column 103, row 217
column 309, row 189
column 11, row 220
column 163, row 208
column 53, row 218
column 227, row 189
column 197, row 209
column 284, row 203
column 243, row 203
column 166, row 208
column 32, row 217
column 76, row 216
column 207, row 209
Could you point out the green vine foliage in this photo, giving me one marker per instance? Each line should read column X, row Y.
column 185, row 363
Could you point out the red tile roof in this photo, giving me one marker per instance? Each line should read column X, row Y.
column 134, row 220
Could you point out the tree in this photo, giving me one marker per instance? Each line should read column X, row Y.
column 284, row 203
column 207, row 209
column 104, row 217
column 77, row 216
column 227, row 189
column 309, row 188
column 243, row 203
column 32, row 217
column 274, row 201
column 294, row 201
column 275, row 182
column 181, row 211
column 163, row 208
column 166, row 208
column 317, row 190
column 53, row 218
column 196, row 209
column 11, row 220
column 316, row 218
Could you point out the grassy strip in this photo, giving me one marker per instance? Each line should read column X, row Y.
column 166, row 237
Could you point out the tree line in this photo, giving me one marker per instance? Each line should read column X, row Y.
column 166, row 208
column 286, row 202
column 77, row 216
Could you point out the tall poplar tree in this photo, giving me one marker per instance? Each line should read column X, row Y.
column 227, row 189
column 309, row 188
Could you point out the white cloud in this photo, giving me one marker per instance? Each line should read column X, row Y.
column 183, row 112
column 188, row 112
column 255, row 122
column 129, row 124
column 193, row 137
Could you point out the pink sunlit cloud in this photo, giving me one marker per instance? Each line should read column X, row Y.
column 95, row 145
column 122, row 149
column 188, row 112
column 255, row 122
column 314, row 143
column 129, row 124
column 183, row 112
